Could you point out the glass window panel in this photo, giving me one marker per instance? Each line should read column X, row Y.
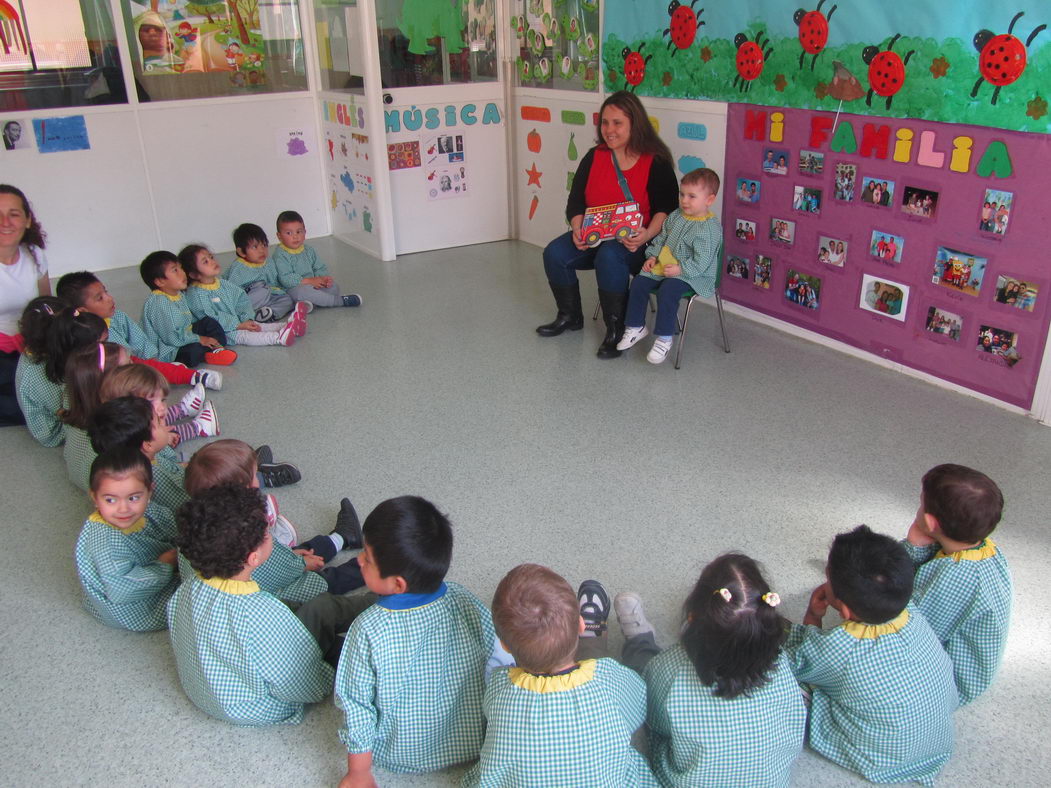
column 339, row 52
column 181, row 49
column 557, row 43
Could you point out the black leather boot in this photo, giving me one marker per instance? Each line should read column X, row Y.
column 570, row 317
column 613, row 306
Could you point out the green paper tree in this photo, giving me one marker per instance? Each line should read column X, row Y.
column 422, row 20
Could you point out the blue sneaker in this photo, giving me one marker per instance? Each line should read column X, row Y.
column 352, row 300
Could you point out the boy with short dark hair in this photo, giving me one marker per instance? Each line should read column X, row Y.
column 555, row 719
column 299, row 269
column 256, row 274
column 411, row 675
column 883, row 692
column 167, row 320
column 963, row 582
column 242, row 655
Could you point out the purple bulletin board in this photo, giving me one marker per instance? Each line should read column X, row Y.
column 920, row 242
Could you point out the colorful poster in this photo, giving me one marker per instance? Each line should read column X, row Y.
column 445, row 181
column 54, row 135
column 444, row 149
column 978, row 63
column 403, row 155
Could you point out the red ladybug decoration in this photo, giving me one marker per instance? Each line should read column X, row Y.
column 635, row 66
column 886, row 70
column 813, row 31
column 751, row 57
column 683, row 26
column 1002, row 58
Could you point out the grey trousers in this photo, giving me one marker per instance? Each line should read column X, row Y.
column 260, row 294
column 637, row 653
column 328, row 617
column 328, row 296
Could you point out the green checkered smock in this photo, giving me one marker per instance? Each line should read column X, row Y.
column 124, row 584
column 78, row 455
column 572, row 729
column 293, row 266
column 697, row 738
column 883, row 696
column 224, row 301
column 169, row 477
column 410, row 680
column 284, row 574
column 242, row 655
column 168, row 323
column 966, row 597
column 242, row 273
column 127, row 333
column 40, row 401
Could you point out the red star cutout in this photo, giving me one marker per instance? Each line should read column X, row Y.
column 780, row 83
column 706, row 54
column 534, row 176
column 1036, row 108
column 939, row 67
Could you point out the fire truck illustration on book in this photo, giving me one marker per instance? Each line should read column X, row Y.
column 618, row 220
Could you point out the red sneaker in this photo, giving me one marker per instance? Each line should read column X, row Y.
column 220, row 357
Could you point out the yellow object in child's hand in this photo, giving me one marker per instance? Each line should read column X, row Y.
column 657, row 269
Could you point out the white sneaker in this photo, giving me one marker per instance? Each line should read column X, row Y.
column 632, row 620
column 211, row 379
column 284, row 532
column 193, row 401
column 659, row 351
column 208, row 421
column 287, row 335
column 631, row 336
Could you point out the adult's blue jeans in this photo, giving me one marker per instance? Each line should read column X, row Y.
column 612, row 261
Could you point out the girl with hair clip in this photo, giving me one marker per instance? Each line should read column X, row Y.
column 84, row 372
column 71, row 329
column 39, row 398
column 137, row 380
column 724, row 707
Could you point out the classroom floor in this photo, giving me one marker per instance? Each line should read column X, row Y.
column 617, row 470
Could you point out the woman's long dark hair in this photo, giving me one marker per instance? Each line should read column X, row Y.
column 643, row 137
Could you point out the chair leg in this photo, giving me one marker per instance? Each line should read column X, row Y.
column 722, row 322
column 598, row 308
column 682, row 332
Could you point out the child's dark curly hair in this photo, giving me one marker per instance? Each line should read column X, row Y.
column 219, row 527
column 36, row 322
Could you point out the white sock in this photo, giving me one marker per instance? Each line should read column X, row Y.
column 337, row 540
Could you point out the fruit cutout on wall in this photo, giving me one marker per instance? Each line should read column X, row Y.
column 886, row 70
column 635, row 66
column 1001, row 58
column 572, row 151
column 683, row 26
column 813, row 31
column 533, row 141
column 751, row 57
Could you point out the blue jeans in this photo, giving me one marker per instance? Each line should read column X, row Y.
column 612, row 262
column 669, row 292
column 193, row 354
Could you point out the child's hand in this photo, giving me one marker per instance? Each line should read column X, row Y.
column 918, row 535
column 351, row 780
column 648, row 265
column 672, row 270
column 210, row 342
column 359, row 771
column 249, row 325
column 173, row 437
column 313, row 562
column 327, row 281
column 168, row 556
column 818, row 606
column 313, row 281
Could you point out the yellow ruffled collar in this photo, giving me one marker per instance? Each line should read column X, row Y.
column 584, row 673
column 166, row 295
column 704, row 218
column 986, row 549
column 213, row 286
column 242, row 261
column 228, row 586
column 863, row 631
column 134, row 528
column 293, row 251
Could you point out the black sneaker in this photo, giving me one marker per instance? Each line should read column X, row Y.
column 264, row 456
column 594, row 607
column 278, row 474
column 348, row 526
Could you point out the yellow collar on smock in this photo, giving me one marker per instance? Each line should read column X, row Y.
column 584, row 673
column 863, row 631
column 228, row 586
column 134, row 528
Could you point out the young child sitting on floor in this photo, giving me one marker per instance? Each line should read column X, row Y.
column 883, row 692
column 723, row 705
column 292, row 574
column 684, row 256
column 242, row 655
column 211, row 296
column 963, row 583
column 554, row 719
column 411, row 674
column 254, row 273
column 139, row 380
column 39, row 399
column 125, row 554
column 300, row 271
column 168, row 322
column 83, row 290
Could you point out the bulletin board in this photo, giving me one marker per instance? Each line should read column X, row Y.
column 920, row 242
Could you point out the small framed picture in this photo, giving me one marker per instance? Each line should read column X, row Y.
column 806, row 199
column 886, row 246
column 922, row 203
column 944, row 322
column 811, row 162
column 775, row 161
column 960, row 271
column 803, row 289
column 996, row 211
column 1016, row 293
column 876, row 191
column 846, row 177
column 999, row 342
column 762, row 271
column 737, row 267
column 748, row 191
column 744, row 230
column 782, row 230
column 889, row 299
column 831, row 251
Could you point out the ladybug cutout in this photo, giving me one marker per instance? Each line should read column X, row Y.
column 683, row 26
column 635, row 66
column 813, row 31
column 886, row 70
column 1001, row 58
column 751, row 57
